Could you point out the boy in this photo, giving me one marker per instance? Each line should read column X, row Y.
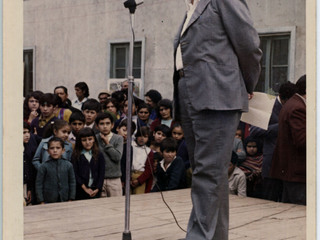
column 47, row 106
column 111, row 146
column 55, row 179
column 77, row 121
column 237, row 178
column 90, row 110
column 161, row 132
column 170, row 170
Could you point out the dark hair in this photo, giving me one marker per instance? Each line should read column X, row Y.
column 119, row 96
column 55, row 139
column 301, row 85
column 63, row 87
column 103, row 115
column 166, row 103
column 257, row 141
column 287, row 90
column 144, row 105
column 154, row 95
column 84, row 87
column 54, row 126
column 143, row 131
column 26, row 125
column 176, row 124
column 91, row 104
column 157, row 156
column 26, row 110
column 85, row 132
column 113, row 101
column 77, row 116
column 48, row 99
column 163, row 128
column 124, row 122
column 234, row 158
column 168, row 144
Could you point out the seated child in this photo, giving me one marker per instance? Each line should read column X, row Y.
column 237, row 179
column 55, row 179
column 77, row 121
column 88, row 164
column 252, row 166
column 170, row 170
column 111, row 146
column 47, row 106
column 90, row 110
column 142, row 163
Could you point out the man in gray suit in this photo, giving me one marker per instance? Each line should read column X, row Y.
column 217, row 66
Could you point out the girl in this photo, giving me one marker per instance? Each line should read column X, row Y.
column 164, row 113
column 88, row 164
column 111, row 106
column 142, row 163
column 31, row 105
column 58, row 128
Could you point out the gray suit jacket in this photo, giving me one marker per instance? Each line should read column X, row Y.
column 220, row 54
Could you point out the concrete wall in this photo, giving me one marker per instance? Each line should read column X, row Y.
column 71, row 37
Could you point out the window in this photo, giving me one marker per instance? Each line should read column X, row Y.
column 277, row 62
column 119, row 65
column 28, row 71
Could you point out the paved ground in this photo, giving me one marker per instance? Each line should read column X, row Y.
column 250, row 219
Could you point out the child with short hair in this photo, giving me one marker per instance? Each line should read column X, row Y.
column 77, row 121
column 122, row 129
column 170, row 170
column 161, row 132
column 90, row 110
column 47, row 106
column 111, row 146
column 142, row 163
column 58, row 128
column 88, row 164
column 236, row 178
column 55, row 179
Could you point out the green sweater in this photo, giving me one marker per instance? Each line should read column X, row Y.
column 55, row 181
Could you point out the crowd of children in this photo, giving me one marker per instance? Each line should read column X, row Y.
column 75, row 150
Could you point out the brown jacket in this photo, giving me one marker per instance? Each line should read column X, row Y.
column 289, row 157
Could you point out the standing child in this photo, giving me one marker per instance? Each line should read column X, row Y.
column 142, row 163
column 90, row 110
column 77, row 121
column 160, row 132
column 111, row 146
column 170, row 170
column 58, row 128
column 55, row 179
column 88, row 164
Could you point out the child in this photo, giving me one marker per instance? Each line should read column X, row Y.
column 236, row 177
column 170, row 171
column 111, row 146
column 30, row 144
column 88, row 164
column 142, row 163
column 31, row 106
column 59, row 128
column 55, row 179
column 90, row 110
column 161, row 132
column 239, row 149
column 47, row 106
column 122, row 129
column 77, row 121
column 177, row 134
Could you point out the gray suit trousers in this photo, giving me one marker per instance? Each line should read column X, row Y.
column 209, row 135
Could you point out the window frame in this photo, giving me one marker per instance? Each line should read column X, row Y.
column 33, row 66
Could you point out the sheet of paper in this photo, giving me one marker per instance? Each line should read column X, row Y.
column 260, row 108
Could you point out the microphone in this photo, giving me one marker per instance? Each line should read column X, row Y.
column 132, row 5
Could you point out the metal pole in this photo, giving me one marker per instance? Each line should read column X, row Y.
column 127, row 234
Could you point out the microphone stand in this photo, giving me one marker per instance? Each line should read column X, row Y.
column 131, row 4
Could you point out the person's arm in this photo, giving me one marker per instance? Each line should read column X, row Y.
column 72, row 183
column 114, row 151
column 76, row 166
column 238, row 24
column 36, row 161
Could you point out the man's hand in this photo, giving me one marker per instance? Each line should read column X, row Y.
column 250, row 96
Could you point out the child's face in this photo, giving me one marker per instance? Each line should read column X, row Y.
column 79, row 93
column 90, row 116
column 62, row 133
column 105, row 126
column 159, row 136
column 165, row 113
column 87, row 142
column 46, row 110
column 76, row 126
column 142, row 140
column 111, row 108
column 33, row 104
column 177, row 133
column 122, row 131
column 252, row 148
column 168, row 156
column 55, row 150
column 143, row 114
column 126, row 107
column 26, row 135
column 239, row 134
